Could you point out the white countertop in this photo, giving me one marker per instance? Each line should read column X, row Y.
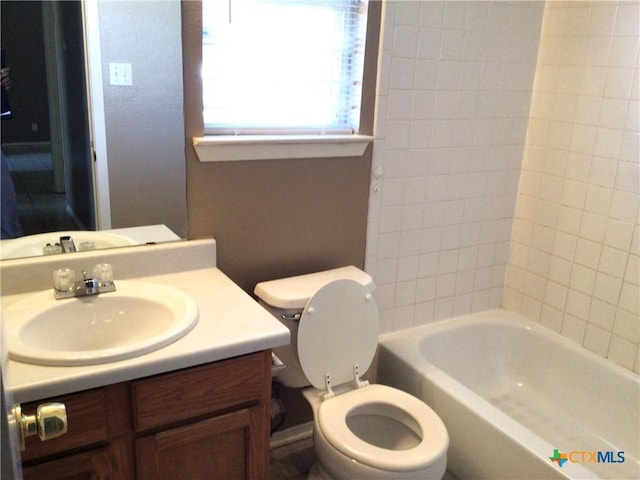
column 231, row 323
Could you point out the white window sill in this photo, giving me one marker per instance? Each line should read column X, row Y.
column 225, row 148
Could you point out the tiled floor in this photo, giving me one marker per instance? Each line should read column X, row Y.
column 40, row 209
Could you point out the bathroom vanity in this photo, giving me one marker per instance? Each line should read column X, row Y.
column 197, row 408
column 208, row 421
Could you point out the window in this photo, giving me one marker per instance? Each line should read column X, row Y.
column 282, row 66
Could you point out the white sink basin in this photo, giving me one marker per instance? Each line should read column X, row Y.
column 32, row 245
column 137, row 318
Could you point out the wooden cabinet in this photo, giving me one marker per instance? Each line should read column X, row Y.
column 205, row 422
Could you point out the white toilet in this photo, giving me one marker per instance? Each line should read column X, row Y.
column 361, row 431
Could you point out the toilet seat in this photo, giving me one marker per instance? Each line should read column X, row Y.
column 389, row 402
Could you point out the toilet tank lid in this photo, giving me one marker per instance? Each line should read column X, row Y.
column 295, row 292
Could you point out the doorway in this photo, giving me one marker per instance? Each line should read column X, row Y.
column 47, row 142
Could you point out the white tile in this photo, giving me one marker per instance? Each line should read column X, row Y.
column 613, row 262
column 583, row 279
column 627, row 19
column 593, row 227
column 578, row 166
column 425, row 289
column 388, row 245
column 403, row 317
column 405, row 293
column 627, row 325
column 431, row 240
column 555, row 295
column 629, row 298
column 569, row 220
column 560, row 270
column 410, row 242
column 603, row 172
column 463, row 304
column 455, row 14
column 429, row 42
column 400, row 104
column 608, row 142
column 428, row 265
column 402, row 71
column 404, row 41
column 445, row 285
column 551, row 318
column 588, row 110
column 613, row 113
column 443, row 308
column 464, row 282
column 564, row 245
column 574, row 194
column 624, row 206
column 598, row 199
column 602, row 19
column 407, row 268
column 431, row 13
column 424, row 313
column 390, row 219
column 632, row 273
column 534, row 286
column 597, row 339
column 573, row 328
column 578, row 304
column 628, row 177
column 622, row 351
column 412, row 216
column 619, row 83
column 623, row 51
column 588, row 253
column 607, row 288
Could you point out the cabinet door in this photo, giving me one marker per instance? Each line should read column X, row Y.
column 217, row 448
column 94, row 465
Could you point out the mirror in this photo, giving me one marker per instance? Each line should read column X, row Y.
column 105, row 160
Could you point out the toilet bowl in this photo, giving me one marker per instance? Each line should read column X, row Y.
column 360, row 430
column 377, row 432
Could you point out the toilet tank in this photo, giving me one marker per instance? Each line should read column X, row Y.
column 285, row 299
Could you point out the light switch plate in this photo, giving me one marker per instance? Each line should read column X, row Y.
column 120, row 74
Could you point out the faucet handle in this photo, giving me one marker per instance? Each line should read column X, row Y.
column 103, row 272
column 63, row 279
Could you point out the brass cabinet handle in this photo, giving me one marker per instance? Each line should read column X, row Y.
column 50, row 421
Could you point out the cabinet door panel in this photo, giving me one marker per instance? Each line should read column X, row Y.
column 86, row 420
column 217, row 448
column 94, row 465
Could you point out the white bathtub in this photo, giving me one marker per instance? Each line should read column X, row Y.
column 511, row 392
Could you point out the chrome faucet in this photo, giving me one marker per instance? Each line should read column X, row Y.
column 66, row 286
column 65, row 245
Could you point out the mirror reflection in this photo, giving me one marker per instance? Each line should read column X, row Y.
column 46, row 145
column 61, row 242
column 58, row 171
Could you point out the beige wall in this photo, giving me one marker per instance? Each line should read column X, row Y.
column 574, row 258
column 275, row 218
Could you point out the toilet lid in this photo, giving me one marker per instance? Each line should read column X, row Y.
column 338, row 329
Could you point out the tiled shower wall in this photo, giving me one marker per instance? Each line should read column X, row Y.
column 574, row 257
column 454, row 91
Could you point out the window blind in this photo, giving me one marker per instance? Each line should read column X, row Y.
column 282, row 66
